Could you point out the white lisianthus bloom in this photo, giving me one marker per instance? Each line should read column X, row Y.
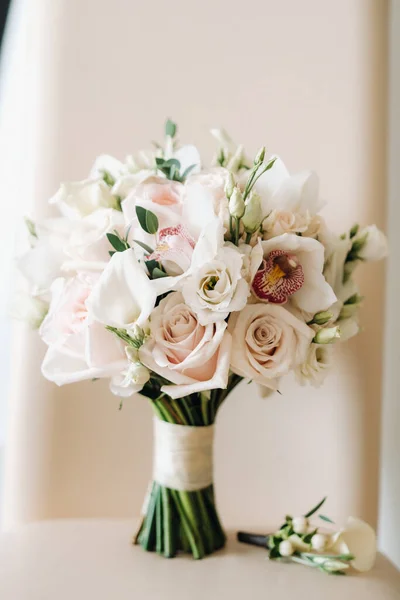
column 292, row 269
column 29, row 308
column 217, row 288
column 374, row 245
column 42, row 263
column 316, row 365
column 359, row 539
column 193, row 357
column 79, row 348
column 107, row 166
column 81, row 198
column 123, row 296
column 88, row 247
column 131, row 379
column 267, row 342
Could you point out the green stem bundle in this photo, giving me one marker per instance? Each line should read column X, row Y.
column 178, row 520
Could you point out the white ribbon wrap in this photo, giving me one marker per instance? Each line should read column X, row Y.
column 183, row 456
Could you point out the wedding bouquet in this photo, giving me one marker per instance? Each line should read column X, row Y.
column 177, row 281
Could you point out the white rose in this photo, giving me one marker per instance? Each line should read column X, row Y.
column 267, row 342
column 374, row 244
column 217, row 288
column 193, row 357
column 292, row 269
column 123, row 296
column 316, row 365
column 81, row 198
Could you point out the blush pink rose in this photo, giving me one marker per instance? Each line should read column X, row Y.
column 191, row 356
column 159, row 195
column 79, row 348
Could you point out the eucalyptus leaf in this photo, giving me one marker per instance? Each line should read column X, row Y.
column 116, row 242
column 170, row 128
column 188, row 170
column 148, row 220
column 158, row 273
column 144, row 246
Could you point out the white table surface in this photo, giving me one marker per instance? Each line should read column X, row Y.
column 94, row 560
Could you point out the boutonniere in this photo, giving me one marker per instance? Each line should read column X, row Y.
column 330, row 550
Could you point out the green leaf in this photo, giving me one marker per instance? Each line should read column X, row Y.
column 151, row 265
column 147, row 219
column 31, row 227
column 172, row 162
column 159, row 161
column 188, row 170
column 308, row 537
column 116, row 242
column 354, row 230
column 108, row 178
column 327, row 519
column 111, row 252
column 144, row 246
column 158, row 273
column 170, row 128
column 314, row 510
column 274, row 552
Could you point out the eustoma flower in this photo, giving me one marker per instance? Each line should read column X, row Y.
column 193, row 357
column 217, row 287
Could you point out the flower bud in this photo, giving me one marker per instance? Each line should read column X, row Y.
column 322, row 318
column 286, row 548
column 370, row 244
column 132, row 354
column 236, row 204
column 300, row 525
column 237, row 159
column 327, row 336
column 252, row 217
column 229, row 185
column 318, row 542
column 260, row 156
column 139, row 374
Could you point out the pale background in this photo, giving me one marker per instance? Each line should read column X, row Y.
column 307, row 78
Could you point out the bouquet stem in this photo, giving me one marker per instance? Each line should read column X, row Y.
column 178, row 520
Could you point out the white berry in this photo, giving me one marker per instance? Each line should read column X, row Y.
column 300, row 525
column 318, row 542
column 286, row 548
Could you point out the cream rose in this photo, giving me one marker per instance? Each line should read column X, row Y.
column 193, row 357
column 267, row 342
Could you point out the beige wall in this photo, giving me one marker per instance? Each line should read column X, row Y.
column 389, row 513
column 306, row 78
